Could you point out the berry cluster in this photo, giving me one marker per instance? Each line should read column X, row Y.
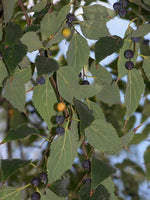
column 120, row 7
column 36, row 182
column 129, row 54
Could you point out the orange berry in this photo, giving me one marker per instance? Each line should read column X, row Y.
column 66, row 32
column 61, row 106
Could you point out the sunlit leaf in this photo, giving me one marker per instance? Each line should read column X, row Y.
column 134, row 90
column 78, row 52
column 142, row 30
column 51, row 196
column 10, row 193
column 8, row 7
column 102, row 136
column 39, row 6
column 109, row 184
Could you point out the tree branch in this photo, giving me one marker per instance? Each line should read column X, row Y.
column 24, row 10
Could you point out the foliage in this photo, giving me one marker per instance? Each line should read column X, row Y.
column 96, row 122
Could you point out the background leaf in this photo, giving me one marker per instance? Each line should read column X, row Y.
column 102, row 136
column 147, row 162
column 78, row 52
column 10, row 166
column 39, row 6
column 146, row 67
column 134, row 90
column 3, row 72
column 8, row 7
column 141, row 31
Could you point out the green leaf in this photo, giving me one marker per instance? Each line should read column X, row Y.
column 14, row 92
column 49, row 25
column 141, row 31
column 44, row 99
column 9, row 53
column 8, row 7
column 10, row 166
column 24, row 74
column 105, row 46
column 109, row 184
column 3, row 72
column 78, row 52
column 63, row 152
column 146, row 67
column 99, row 172
column 102, row 136
column 45, row 65
column 25, row 63
column 128, row 44
column 100, row 193
column 51, row 196
column 85, row 114
column 147, row 162
column 19, row 133
column 93, row 29
column 127, row 138
column 85, row 191
column 97, row 111
column 69, row 88
column 10, row 193
column 146, row 110
column 140, row 4
column 134, row 90
column 39, row 6
column 109, row 94
column 13, row 33
column 31, row 40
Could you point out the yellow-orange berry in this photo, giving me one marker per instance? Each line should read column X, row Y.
column 61, row 106
column 66, row 32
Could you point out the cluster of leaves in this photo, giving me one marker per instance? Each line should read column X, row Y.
column 93, row 116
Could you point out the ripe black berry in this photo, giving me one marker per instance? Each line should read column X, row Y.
column 43, row 177
column 85, row 82
column 86, row 164
column 117, row 6
column 40, row 80
column 128, row 54
column 59, row 119
column 47, row 53
column 35, row 181
column 35, row 196
column 122, row 12
column 70, row 17
column 88, row 180
column 135, row 39
column 60, row 130
column 80, row 75
column 129, row 65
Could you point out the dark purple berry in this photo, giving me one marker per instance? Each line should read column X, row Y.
column 47, row 53
column 43, row 177
column 117, row 6
column 135, row 39
column 59, row 119
column 145, row 41
column 35, row 196
column 40, row 80
column 129, row 65
column 88, row 180
column 35, row 181
column 70, row 17
column 85, row 82
column 60, row 130
column 128, row 54
column 122, row 12
column 86, row 165
column 80, row 75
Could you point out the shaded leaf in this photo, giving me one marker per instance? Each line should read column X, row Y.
column 142, row 30
column 109, row 184
column 99, row 172
column 106, row 46
column 20, row 132
column 142, row 5
column 97, row 111
column 9, row 53
column 147, row 162
column 9, row 193
column 14, row 92
column 69, row 88
column 134, row 90
column 8, row 7
column 31, row 40
column 51, row 196
column 45, row 65
column 44, row 99
column 100, row 193
column 3, row 72
column 85, row 191
column 147, row 2
column 78, row 52
column 127, row 138
column 85, row 114
column 146, row 67
column 10, row 166
column 102, row 136
column 63, row 152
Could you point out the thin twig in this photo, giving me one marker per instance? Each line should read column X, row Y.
column 24, row 10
